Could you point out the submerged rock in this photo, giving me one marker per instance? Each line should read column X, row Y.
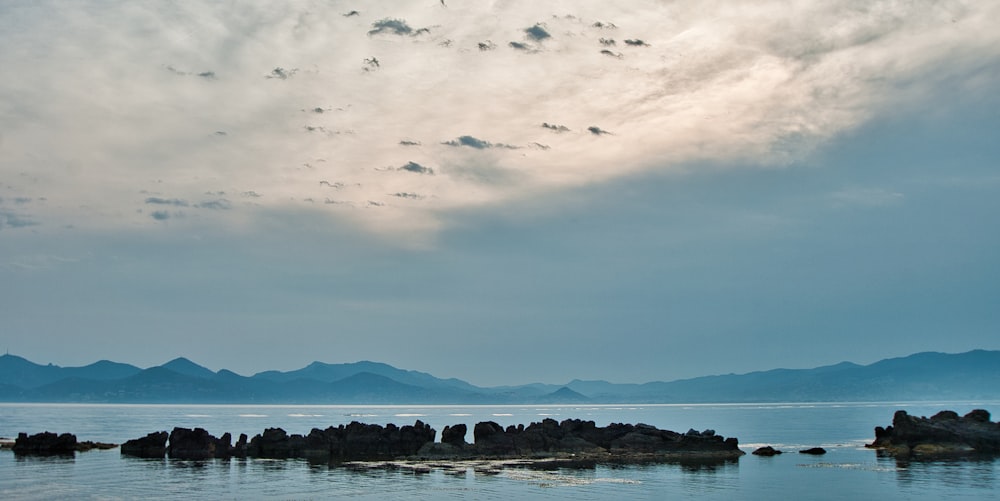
column 943, row 433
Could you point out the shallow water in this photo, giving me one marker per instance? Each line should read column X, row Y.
column 848, row 470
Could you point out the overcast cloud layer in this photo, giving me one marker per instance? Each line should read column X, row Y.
column 356, row 175
column 229, row 108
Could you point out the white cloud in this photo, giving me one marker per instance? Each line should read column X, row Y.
column 108, row 104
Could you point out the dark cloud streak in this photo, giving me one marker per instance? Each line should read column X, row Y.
column 479, row 144
column 391, row 27
column 537, row 33
column 416, row 168
column 166, row 201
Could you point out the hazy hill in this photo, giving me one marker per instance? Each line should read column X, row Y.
column 922, row 376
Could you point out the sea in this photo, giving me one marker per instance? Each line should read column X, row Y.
column 847, row 471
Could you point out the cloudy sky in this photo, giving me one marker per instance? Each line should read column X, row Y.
column 504, row 192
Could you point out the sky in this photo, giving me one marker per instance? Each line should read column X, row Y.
column 505, row 192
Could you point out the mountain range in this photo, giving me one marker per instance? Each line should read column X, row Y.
column 922, row 376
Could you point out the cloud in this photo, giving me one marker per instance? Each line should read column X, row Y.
column 555, row 127
column 416, row 168
column 219, row 204
column 522, row 47
column 411, row 196
column 597, row 131
column 537, row 33
column 476, row 143
column 617, row 55
column 166, row 201
column 407, row 142
column 282, row 74
column 735, row 87
column 390, row 26
column 160, row 215
column 635, row 42
column 11, row 219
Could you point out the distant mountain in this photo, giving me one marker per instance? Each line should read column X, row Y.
column 320, row 371
column 186, row 367
column 922, row 376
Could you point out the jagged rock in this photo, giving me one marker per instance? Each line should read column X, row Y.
column 356, row 441
column 766, row 451
column 943, row 433
column 186, row 443
column 153, row 445
column 87, row 445
column 815, row 451
column 45, row 443
column 574, row 436
column 353, row 442
column 454, row 435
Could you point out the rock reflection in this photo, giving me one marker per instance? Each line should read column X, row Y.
column 978, row 471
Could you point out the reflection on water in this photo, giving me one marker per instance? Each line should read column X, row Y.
column 977, row 471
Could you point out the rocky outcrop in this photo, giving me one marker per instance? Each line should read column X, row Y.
column 815, row 451
column 550, row 438
column 369, row 442
column 45, row 443
column 766, row 451
column 153, row 445
column 199, row 444
column 943, row 433
column 185, row 443
column 352, row 442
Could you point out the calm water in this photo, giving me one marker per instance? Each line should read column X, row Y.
column 846, row 471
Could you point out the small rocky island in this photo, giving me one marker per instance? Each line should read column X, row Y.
column 570, row 440
column 945, row 433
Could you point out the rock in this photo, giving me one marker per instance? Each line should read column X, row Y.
column 816, row 451
column 89, row 445
column 571, row 439
column 766, row 451
column 353, row 442
column 944, row 433
column 191, row 444
column 44, row 444
column 153, row 445
column 621, row 441
column 454, row 435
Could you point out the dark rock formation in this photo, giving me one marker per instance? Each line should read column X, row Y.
column 615, row 441
column 153, row 445
column 572, row 438
column 815, row 451
column 353, row 442
column 87, row 445
column 943, row 433
column 767, row 451
column 45, row 443
column 454, row 435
